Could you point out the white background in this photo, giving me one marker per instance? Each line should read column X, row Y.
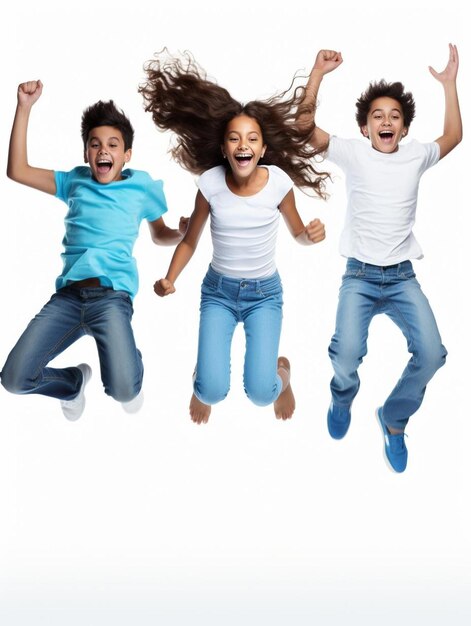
column 150, row 519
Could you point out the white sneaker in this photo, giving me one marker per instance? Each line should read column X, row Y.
column 73, row 409
column 134, row 405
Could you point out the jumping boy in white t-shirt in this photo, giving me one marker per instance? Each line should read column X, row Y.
column 382, row 179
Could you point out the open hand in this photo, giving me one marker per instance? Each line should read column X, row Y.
column 451, row 70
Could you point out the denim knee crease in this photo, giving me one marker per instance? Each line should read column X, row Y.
column 70, row 314
column 367, row 290
column 225, row 301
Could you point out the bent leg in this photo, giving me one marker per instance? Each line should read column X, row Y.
column 48, row 334
column 357, row 306
column 262, row 325
column 212, row 375
column 410, row 310
column 108, row 319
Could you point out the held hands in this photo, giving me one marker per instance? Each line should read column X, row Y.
column 327, row 61
column 29, row 92
column 164, row 287
column 315, row 231
column 451, row 70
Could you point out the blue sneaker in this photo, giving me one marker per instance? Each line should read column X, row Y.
column 394, row 445
column 338, row 420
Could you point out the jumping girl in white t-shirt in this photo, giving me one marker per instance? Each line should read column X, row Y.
column 249, row 157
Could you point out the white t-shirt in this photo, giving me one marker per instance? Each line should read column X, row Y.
column 381, row 198
column 244, row 228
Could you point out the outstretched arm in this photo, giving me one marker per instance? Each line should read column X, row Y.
column 185, row 249
column 452, row 128
column 326, row 61
column 18, row 168
column 163, row 235
column 314, row 232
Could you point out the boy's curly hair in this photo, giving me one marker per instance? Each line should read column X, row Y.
column 383, row 89
column 182, row 99
column 106, row 114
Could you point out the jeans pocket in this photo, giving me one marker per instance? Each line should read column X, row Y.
column 270, row 287
column 209, row 286
column 121, row 298
column 407, row 275
column 353, row 273
column 273, row 295
column 264, row 292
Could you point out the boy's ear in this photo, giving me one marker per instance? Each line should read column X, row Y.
column 85, row 157
column 127, row 155
column 404, row 132
column 364, row 131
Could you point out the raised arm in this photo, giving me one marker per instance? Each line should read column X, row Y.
column 314, row 232
column 452, row 127
column 18, row 168
column 326, row 61
column 185, row 249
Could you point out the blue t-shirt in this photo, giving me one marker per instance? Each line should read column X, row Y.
column 102, row 224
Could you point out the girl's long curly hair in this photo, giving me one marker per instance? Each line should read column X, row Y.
column 181, row 99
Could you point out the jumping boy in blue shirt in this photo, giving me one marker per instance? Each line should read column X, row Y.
column 99, row 278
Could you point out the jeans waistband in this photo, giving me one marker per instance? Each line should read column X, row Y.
column 256, row 283
column 356, row 264
column 85, row 293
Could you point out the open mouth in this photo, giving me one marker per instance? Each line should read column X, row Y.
column 103, row 166
column 386, row 135
column 243, row 159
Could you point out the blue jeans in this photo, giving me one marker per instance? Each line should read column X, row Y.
column 225, row 301
column 71, row 313
column 367, row 290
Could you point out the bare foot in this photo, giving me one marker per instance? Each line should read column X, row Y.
column 199, row 411
column 285, row 404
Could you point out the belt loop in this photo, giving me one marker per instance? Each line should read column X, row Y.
column 220, row 281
